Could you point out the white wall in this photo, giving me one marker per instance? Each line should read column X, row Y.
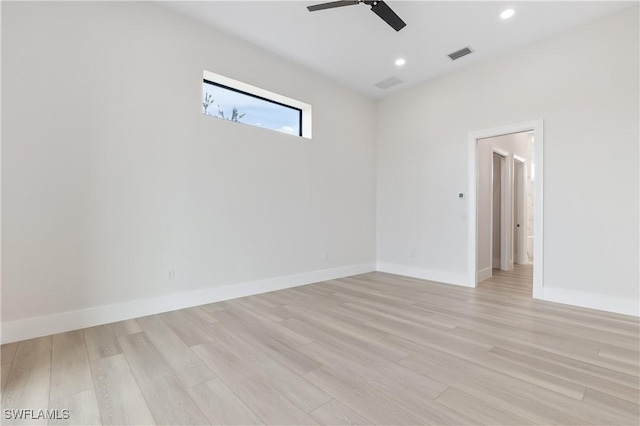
column 111, row 175
column 584, row 83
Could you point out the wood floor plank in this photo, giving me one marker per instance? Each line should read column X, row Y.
column 211, row 307
column 484, row 313
column 478, row 409
column 499, row 395
column 125, row 328
column 290, row 384
column 527, row 309
column 574, row 375
column 168, row 402
column 199, row 316
column 269, row 329
column 101, row 342
column 568, row 365
column 29, row 379
column 336, row 413
column 275, row 348
column 284, row 297
column 70, row 370
column 266, row 312
column 83, row 409
column 509, row 282
column 413, row 393
column 406, row 315
column 525, row 373
column 542, row 340
column 409, row 292
column 589, row 334
column 119, row 398
column 455, row 314
column 190, row 332
column 630, row 328
column 421, row 289
column 438, row 339
column 519, row 397
column 187, row 367
column 343, row 286
column 589, row 315
column 7, row 353
column 4, row 377
column 260, row 299
column 626, row 355
column 611, row 403
column 360, row 398
column 341, row 312
column 267, row 403
column 221, row 406
column 353, row 328
column 317, row 289
column 358, row 346
column 588, row 358
column 327, row 306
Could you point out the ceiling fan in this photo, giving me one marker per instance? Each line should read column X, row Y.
column 380, row 8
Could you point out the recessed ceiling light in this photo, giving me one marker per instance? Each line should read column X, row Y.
column 507, row 14
column 400, row 62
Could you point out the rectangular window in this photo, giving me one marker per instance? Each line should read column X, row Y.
column 235, row 101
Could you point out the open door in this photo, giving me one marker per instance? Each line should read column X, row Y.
column 519, row 211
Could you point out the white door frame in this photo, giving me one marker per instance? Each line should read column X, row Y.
column 520, row 210
column 504, row 211
column 537, row 127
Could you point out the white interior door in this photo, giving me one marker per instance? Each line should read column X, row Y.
column 519, row 211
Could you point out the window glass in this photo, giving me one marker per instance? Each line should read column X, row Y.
column 235, row 105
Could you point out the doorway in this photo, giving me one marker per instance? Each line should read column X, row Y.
column 521, row 210
column 497, row 242
column 498, row 191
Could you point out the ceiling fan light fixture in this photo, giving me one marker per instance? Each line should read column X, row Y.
column 381, row 9
column 378, row 7
column 507, row 14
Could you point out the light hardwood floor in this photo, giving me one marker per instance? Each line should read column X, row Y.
column 369, row 349
column 517, row 282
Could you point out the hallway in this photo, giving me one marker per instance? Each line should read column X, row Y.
column 516, row 282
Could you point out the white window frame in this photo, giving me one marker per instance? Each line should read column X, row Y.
column 262, row 93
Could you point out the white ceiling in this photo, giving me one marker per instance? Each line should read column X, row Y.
column 354, row 47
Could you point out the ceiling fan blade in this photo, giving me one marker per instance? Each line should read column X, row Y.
column 331, row 5
column 389, row 16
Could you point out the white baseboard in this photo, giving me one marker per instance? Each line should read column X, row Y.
column 591, row 300
column 425, row 274
column 30, row 328
column 484, row 274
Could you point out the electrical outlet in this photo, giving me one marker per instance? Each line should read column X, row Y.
column 171, row 275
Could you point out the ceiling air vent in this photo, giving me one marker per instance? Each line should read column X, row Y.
column 385, row 84
column 460, row 53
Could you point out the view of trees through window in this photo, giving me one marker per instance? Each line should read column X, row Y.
column 234, row 105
